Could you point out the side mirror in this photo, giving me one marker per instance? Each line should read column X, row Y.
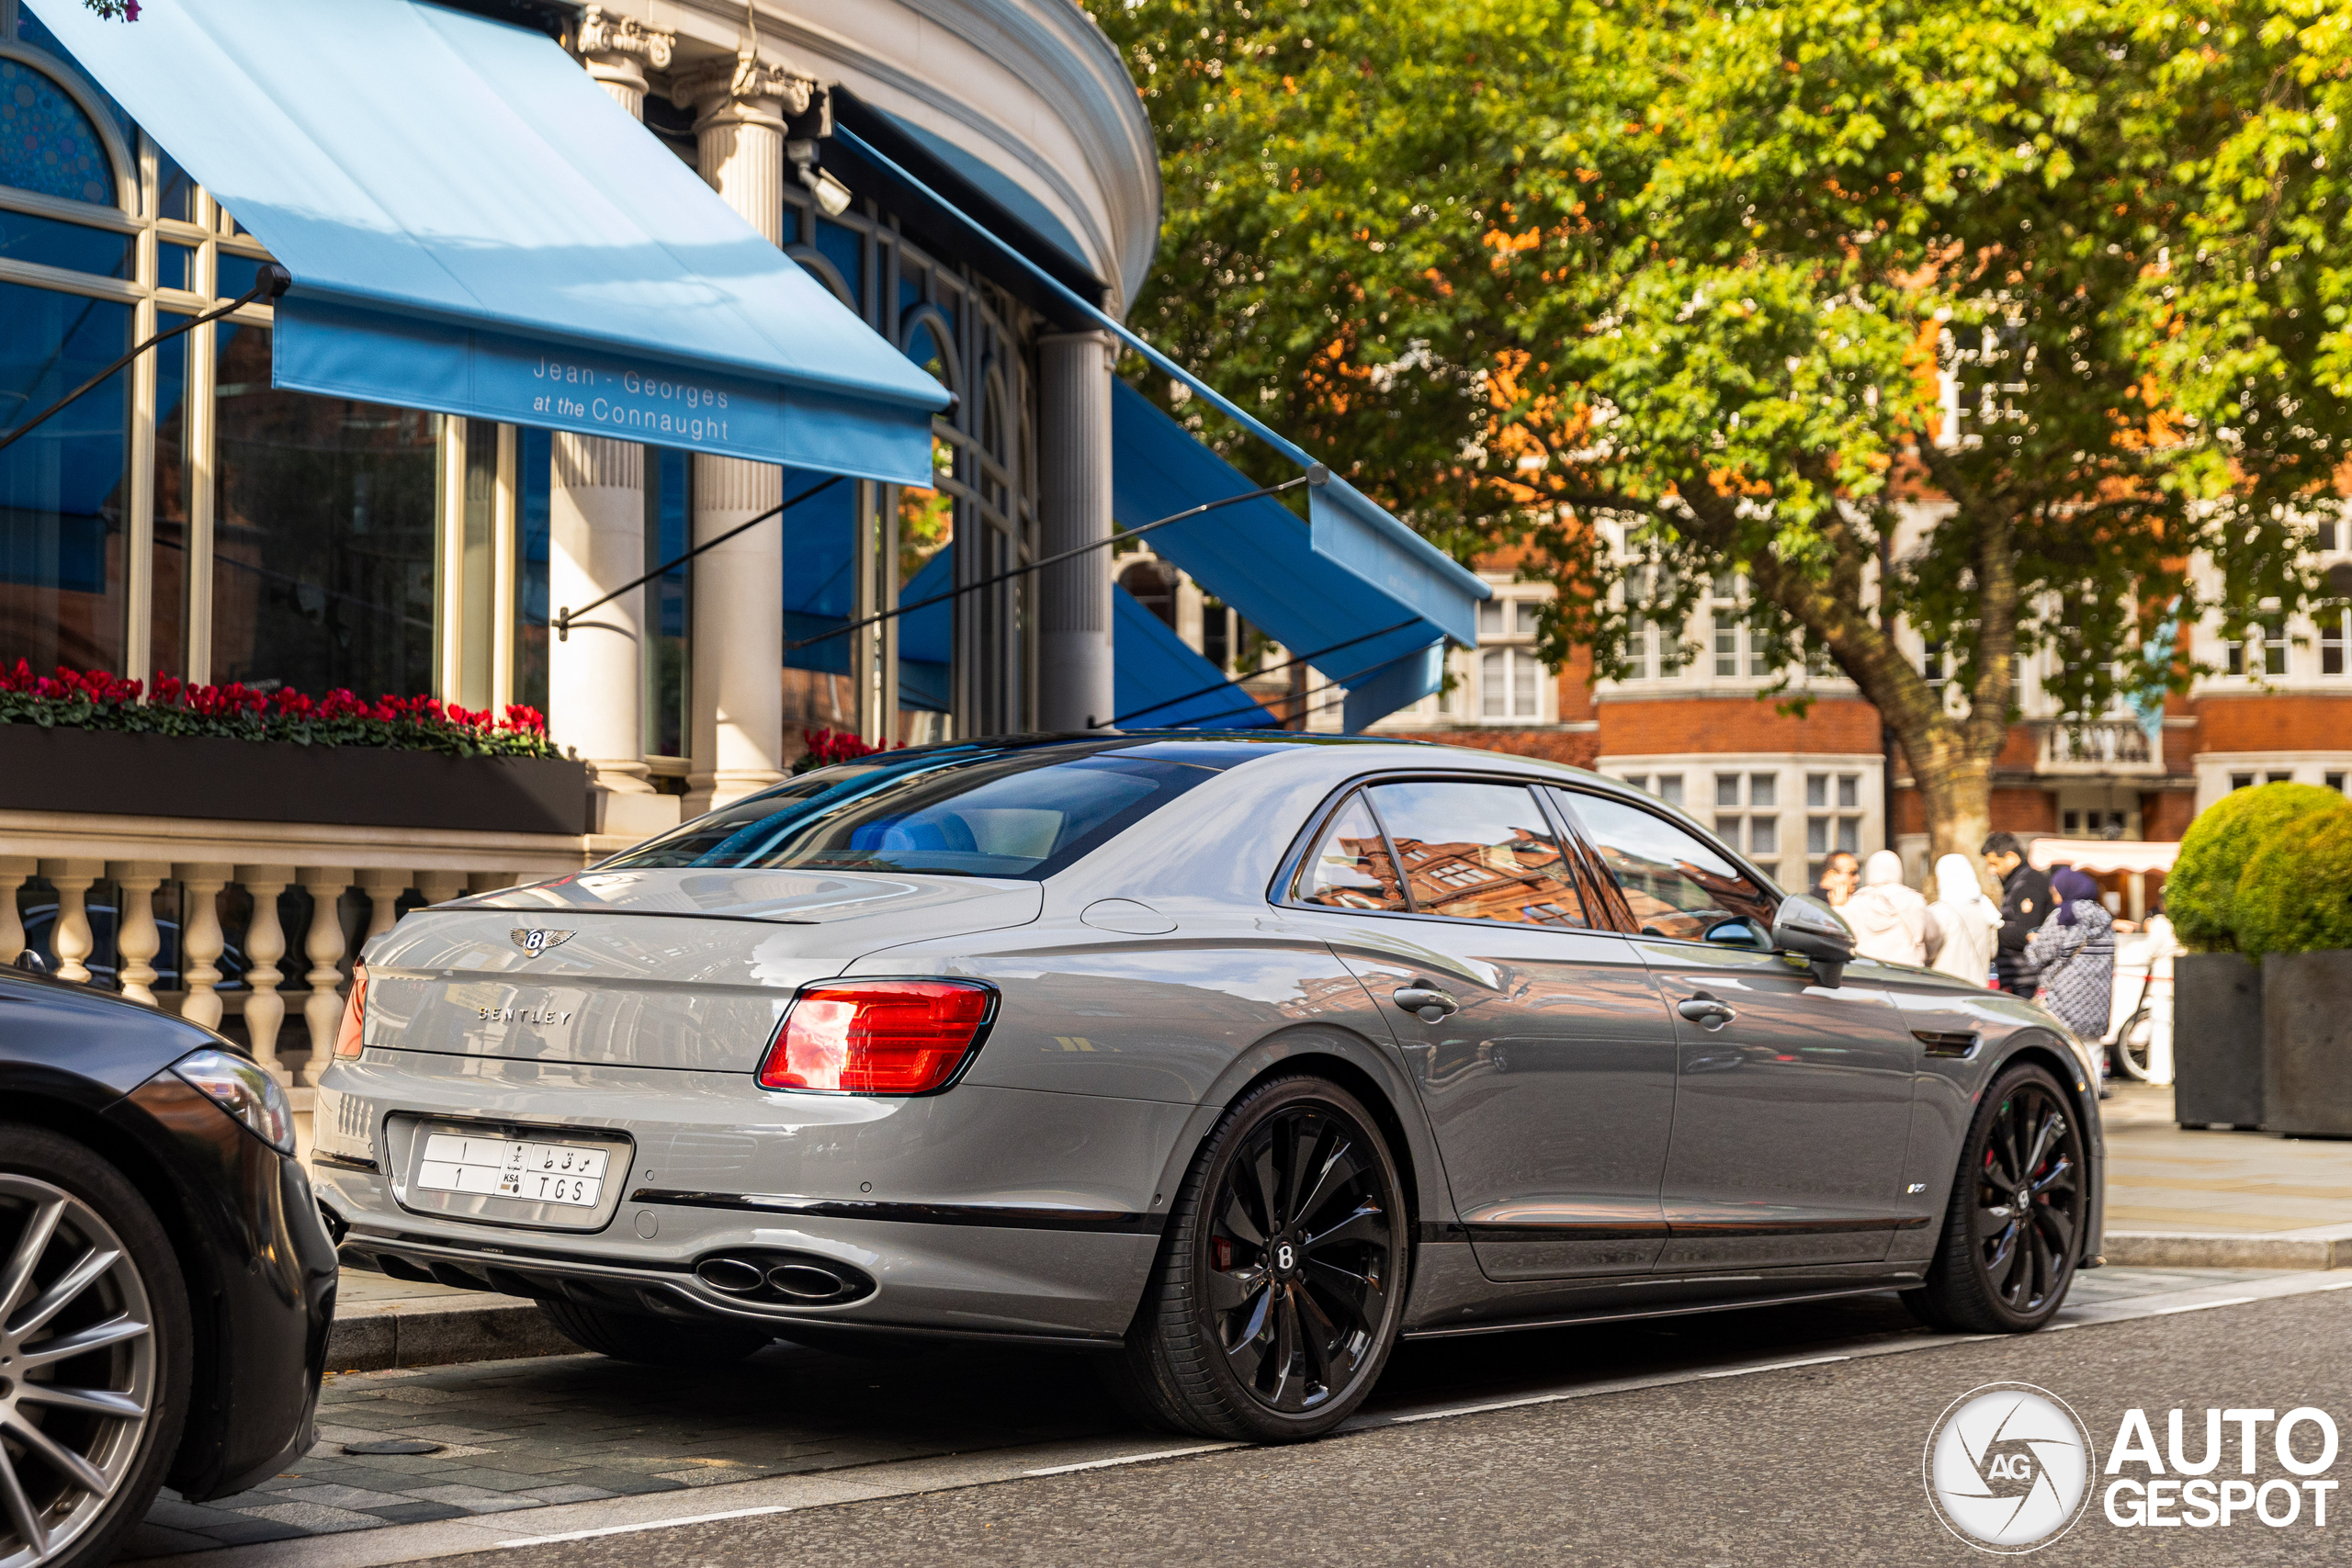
column 1812, row 929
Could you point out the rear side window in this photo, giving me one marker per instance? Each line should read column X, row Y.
column 1021, row 814
column 1478, row 851
column 1350, row 869
column 1677, row 885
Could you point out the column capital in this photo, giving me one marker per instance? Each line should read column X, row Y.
column 744, row 90
column 620, row 50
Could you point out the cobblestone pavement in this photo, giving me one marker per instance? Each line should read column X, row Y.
column 527, row 1434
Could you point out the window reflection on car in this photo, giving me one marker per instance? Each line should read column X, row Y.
column 1677, row 885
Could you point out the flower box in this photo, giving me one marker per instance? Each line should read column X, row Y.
column 106, row 772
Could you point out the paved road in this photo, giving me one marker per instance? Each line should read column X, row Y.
column 1812, row 1464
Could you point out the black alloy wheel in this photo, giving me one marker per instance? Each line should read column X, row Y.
column 1281, row 1283
column 2013, row 1232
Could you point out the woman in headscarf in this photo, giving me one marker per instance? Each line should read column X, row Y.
column 1968, row 922
column 2075, row 948
column 1889, row 920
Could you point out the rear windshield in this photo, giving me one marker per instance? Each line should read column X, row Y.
column 1023, row 813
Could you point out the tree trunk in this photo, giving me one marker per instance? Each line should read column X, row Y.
column 1957, row 791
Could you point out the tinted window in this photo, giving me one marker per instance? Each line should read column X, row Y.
column 1678, row 885
column 1480, row 851
column 1350, row 869
column 1023, row 813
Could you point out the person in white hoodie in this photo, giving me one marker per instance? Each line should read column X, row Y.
column 1968, row 922
column 1889, row 920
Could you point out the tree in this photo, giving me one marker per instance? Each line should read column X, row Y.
column 1680, row 290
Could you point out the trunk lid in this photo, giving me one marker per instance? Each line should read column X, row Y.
column 658, row 968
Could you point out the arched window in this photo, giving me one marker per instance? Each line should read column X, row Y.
column 1152, row 587
column 47, row 144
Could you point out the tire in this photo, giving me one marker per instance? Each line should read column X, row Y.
column 655, row 1341
column 1269, row 1314
column 2003, row 1267
column 2130, row 1052
column 104, row 1424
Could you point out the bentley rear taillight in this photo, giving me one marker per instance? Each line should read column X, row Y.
column 355, row 1015
column 878, row 1036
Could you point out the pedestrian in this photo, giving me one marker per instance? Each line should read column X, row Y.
column 1968, row 922
column 1841, row 877
column 2025, row 904
column 1889, row 920
column 2075, row 953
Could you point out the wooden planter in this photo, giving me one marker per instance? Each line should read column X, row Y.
column 2307, row 1044
column 100, row 772
column 2217, row 1040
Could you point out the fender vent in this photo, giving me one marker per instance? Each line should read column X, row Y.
column 1945, row 1044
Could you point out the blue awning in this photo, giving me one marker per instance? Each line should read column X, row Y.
column 476, row 228
column 1368, row 602
column 1159, row 682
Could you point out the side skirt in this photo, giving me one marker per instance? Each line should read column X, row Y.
column 1683, row 1309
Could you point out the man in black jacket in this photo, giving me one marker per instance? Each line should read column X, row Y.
column 2025, row 904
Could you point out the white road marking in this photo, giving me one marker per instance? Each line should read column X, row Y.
column 1134, row 1459
column 2200, row 1306
column 648, row 1525
column 1482, row 1409
column 1775, row 1366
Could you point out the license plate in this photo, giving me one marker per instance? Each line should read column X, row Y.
column 512, row 1168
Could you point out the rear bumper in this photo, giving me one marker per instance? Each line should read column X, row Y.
column 983, row 1213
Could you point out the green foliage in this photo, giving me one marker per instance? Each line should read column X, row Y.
column 2201, row 891
column 2295, row 895
column 1671, row 293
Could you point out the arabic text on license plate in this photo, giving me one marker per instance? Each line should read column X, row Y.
column 512, row 1168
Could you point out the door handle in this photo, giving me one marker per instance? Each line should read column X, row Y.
column 1426, row 1000
column 1705, row 1012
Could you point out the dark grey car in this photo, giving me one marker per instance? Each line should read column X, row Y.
column 1236, row 1057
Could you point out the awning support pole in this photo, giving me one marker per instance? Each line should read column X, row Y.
column 1314, row 476
column 564, row 618
column 271, row 281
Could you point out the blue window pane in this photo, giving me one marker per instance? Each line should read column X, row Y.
column 668, row 535
column 62, row 487
column 535, row 453
column 231, row 275
column 47, row 143
column 174, row 192
column 845, row 248
column 29, row 29
column 176, row 267
column 321, row 536
column 175, row 480
column 26, row 238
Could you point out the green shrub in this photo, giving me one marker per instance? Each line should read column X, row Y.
column 2295, row 895
column 2200, row 893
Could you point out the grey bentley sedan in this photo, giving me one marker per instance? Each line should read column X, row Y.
column 1234, row 1058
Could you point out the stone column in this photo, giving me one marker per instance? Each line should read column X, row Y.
column 264, row 945
column 14, row 870
column 739, row 110
column 596, row 526
column 136, row 939
column 323, row 946
column 202, row 943
column 1074, row 508
column 440, row 886
column 69, row 936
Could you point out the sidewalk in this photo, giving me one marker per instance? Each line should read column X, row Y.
column 2222, row 1200
column 2175, row 1200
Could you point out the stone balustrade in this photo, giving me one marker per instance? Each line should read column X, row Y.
column 239, row 969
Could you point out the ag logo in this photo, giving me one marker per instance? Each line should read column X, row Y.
column 2008, row 1467
column 535, row 941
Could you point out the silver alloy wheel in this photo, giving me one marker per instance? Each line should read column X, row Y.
column 77, row 1368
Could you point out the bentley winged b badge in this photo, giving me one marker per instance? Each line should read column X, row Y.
column 535, row 941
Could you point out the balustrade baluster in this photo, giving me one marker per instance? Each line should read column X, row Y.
column 264, row 945
column 137, row 939
column 323, row 1008
column 201, row 942
column 70, row 937
column 14, row 870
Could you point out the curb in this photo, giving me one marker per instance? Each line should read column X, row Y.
column 2143, row 1249
column 490, row 1328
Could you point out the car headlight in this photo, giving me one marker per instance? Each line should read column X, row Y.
column 244, row 1090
